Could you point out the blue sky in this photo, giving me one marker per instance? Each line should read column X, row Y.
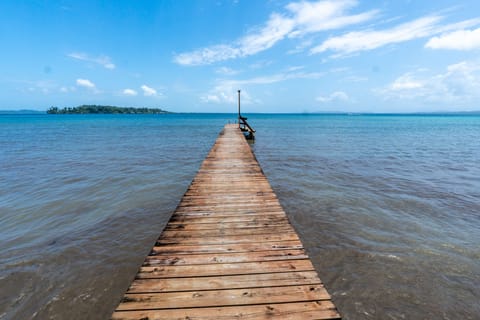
column 285, row 56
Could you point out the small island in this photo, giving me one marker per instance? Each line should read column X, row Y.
column 96, row 109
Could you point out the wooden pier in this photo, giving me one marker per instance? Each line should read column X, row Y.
column 228, row 251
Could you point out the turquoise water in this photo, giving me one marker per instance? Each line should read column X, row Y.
column 388, row 206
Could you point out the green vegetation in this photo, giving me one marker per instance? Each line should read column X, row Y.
column 89, row 109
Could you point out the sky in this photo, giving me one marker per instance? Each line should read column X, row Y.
column 284, row 56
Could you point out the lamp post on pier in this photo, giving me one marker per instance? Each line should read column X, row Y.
column 239, row 108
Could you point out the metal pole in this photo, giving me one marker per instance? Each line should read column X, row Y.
column 239, row 108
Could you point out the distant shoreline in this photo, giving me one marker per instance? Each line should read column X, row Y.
column 100, row 109
column 436, row 113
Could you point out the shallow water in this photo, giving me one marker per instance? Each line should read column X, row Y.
column 387, row 206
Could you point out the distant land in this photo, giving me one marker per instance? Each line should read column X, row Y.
column 96, row 109
column 21, row 112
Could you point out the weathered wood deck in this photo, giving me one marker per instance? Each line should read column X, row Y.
column 228, row 252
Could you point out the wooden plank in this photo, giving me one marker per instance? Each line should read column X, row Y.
column 220, row 232
column 228, row 251
column 214, row 225
column 231, row 203
column 216, row 220
column 228, row 239
column 186, row 212
column 191, row 259
column 229, row 197
column 291, row 311
column 225, row 248
column 227, row 297
column 204, row 270
column 149, row 285
column 225, row 206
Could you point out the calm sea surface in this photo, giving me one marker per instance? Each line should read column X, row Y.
column 388, row 207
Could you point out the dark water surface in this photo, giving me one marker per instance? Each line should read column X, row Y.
column 387, row 206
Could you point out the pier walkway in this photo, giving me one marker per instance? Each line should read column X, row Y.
column 228, row 251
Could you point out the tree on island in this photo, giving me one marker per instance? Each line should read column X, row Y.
column 96, row 109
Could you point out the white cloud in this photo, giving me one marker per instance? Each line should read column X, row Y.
column 458, row 85
column 356, row 41
column 458, row 26
column 148, row 91
column 104, row 61
column 325, row 15
column 299, row 19
column 223, row 93
column 210, row 98
column 109, row 66
column 333, row 97
column 456, row 40
column 207, row 55
column 78, row 56
column 406, row 82
column 371, row 39
column 130, row 92
column 275, row 29
column 85, row 83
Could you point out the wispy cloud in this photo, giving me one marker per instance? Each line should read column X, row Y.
column 263, row 38
column 300, row 19
column 130, row 92
column 148, row 91
column 371, row 39
column 297, row 20
column 104, row 61
column 356, row 41
column 325, row 15
column 456, row 40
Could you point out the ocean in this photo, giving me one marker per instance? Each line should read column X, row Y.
column 387, row 206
